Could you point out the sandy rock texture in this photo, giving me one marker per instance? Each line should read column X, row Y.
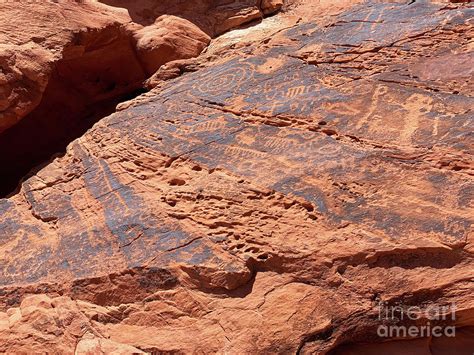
column 32, row 38
column 265, row 197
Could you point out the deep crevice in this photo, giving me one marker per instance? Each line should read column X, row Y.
column 29, row 145
column 82, row 89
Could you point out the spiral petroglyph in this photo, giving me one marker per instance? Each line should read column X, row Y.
column 227, row 78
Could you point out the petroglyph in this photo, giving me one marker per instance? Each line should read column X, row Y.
column 226, row 78
column 295, row 91
column 379, row 93
column 416, row 106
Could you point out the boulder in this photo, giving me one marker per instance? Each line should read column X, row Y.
column 170, row 38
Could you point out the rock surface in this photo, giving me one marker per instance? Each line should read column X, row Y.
column 212, row 16
column 265, row 197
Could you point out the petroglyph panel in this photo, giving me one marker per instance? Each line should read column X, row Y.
column 314, row 154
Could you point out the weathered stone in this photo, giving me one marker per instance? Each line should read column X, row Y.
column 82, row 59
column 271, row 6
column 168, row 39
column 274, row 198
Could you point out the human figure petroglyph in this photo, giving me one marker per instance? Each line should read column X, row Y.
column 379, row 92
column 416, row 106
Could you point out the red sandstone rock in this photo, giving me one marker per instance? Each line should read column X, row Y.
column 169, row 38
column 266, row 197
column 29, row 45
column 212, row 16
column 24, row 67
column 270, row 6
column 82, row 60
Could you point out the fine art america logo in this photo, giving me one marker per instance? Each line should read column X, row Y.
column 427, row 322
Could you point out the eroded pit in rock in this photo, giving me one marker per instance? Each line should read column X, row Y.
column 98, row 70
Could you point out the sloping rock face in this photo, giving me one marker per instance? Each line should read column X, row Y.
column 277, row 199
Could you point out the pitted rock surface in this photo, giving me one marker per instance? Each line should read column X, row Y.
column 265, row 202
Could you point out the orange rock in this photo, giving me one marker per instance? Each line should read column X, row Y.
column 31, row 52
column 169, row 38
column 271, row 6
column 299, row 185
column 90, row 344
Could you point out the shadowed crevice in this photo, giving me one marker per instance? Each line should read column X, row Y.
column 82, row 89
